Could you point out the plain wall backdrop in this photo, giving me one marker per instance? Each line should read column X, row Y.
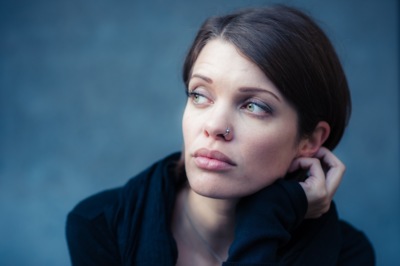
column 91, row 94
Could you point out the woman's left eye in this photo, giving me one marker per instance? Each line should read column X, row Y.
column 257, row 108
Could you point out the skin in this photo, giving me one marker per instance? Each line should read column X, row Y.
column 228, row 90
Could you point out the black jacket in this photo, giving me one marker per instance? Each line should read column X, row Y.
column 130, row 225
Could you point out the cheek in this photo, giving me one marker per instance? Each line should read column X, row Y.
column 188, row 127
column 270, row 156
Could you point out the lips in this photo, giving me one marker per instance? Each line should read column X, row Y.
column 212, row 160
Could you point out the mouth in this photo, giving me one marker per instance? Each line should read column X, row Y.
column 212, row 160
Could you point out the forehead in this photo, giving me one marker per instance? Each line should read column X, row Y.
column 222, row 60
column 222, row 53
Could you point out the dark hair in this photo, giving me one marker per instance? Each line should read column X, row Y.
column 295, row 54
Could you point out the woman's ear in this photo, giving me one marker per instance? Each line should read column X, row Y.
column 311, row 144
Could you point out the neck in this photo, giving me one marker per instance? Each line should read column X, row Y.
column 214, row 217
column 207, row 223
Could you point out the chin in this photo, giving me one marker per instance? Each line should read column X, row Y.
column 205, row 190
column 210, row 194
column 217, row 190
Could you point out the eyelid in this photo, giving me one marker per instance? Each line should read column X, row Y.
column 256, row 90
column 201, row 90
column 199, row 97
column 266, row 107
column 261, row 104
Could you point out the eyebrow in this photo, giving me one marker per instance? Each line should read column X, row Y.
column 244, row 89
column 206, row 79
column 257, row 90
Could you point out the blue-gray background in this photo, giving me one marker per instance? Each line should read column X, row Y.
column 90, row 94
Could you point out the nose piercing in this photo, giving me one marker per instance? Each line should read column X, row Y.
column 227, row 131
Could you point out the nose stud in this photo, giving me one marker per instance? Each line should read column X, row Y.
column 227, row 131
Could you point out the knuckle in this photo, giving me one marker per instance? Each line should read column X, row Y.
column 323, row 195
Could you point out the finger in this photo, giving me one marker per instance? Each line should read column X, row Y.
column 327, row 157
column 313, row 166
column 335, row 171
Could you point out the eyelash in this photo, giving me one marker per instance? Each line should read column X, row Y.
column 192, row 95
column 265, row 107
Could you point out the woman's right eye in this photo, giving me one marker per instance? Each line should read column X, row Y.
column 198, row 98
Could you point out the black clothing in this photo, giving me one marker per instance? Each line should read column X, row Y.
column 131, row 225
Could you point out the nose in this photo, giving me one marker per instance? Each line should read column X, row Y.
column 218, row 125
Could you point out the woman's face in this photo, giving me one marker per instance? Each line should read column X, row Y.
column 226, row 90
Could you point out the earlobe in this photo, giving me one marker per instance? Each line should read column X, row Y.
column 310, row 145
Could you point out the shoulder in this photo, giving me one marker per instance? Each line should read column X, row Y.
column 94, row 205
column 98, row 229
column 90, row 239
column 101, row 203
column 104, row 202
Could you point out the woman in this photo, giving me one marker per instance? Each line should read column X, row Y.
column 267, row 101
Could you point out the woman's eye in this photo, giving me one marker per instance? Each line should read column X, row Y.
column 198, row 98
column 257, row 108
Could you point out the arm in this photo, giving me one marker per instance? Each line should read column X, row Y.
column 267, row 219
column 90, row 242
column 326, row 240
column 264, row 221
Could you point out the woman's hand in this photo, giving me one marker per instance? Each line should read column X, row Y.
column 322, row 182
